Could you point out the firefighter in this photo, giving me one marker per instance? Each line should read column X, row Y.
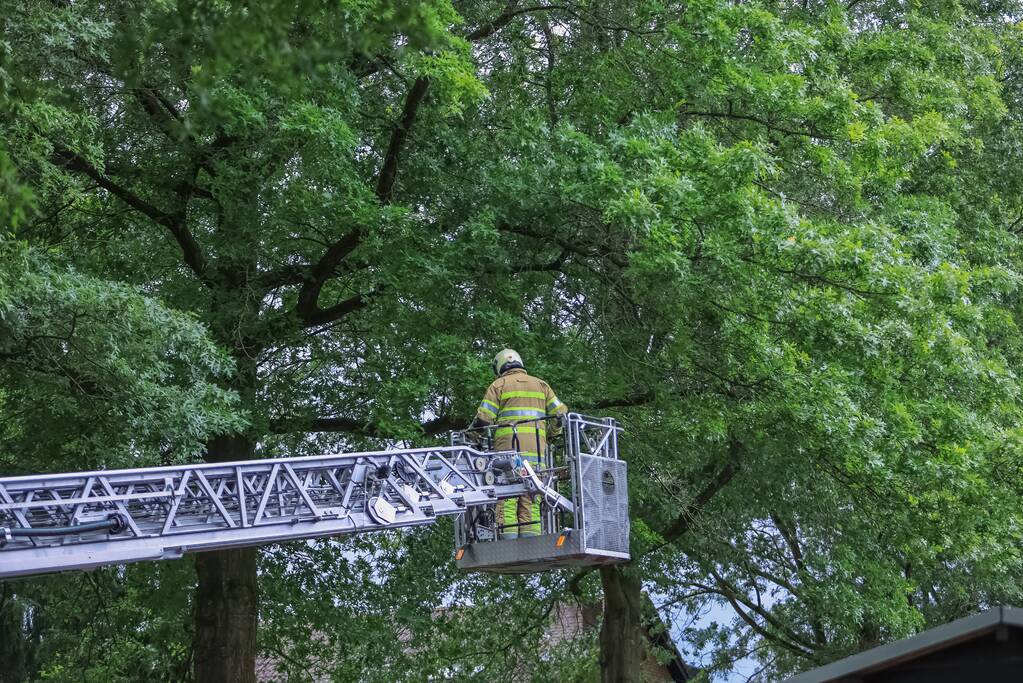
column 513, row 397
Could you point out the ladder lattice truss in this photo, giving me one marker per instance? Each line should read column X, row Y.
column 89, row 519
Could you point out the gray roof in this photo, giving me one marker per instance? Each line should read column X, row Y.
column 919, row 645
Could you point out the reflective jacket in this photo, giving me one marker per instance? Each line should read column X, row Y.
column 517, row 396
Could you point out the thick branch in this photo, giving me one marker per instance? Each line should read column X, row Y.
column 322, row 316
column 162, row 112
column 791, row 540
column 389, row 169
column 73, row 162
column 491, row 27
column 308, row 297
column 504, row 18
column 791, row 536
column 308, row 308
column 574, row 584
column 174, row 222
column 287, row 274
column 684, row 522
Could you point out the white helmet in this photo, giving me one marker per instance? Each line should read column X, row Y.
column 506, row 360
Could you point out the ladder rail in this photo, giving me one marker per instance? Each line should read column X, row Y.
column 164, row 512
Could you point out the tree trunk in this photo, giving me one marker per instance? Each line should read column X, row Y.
column 622, row 650
column 227, row 599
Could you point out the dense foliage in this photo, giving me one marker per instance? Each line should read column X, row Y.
column 777, row 239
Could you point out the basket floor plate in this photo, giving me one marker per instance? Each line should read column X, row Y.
column 533, row 554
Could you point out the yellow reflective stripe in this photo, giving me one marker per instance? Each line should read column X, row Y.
column 523, row 394
column 509, row 513
column 490, row 404
column 539, row 411
column 520, row 413
column 507, row 431
column 553, row 403
column 487, row 411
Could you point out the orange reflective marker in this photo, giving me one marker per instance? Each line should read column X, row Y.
column 561, row 540
column 459, row 553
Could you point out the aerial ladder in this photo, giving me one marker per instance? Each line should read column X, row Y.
column 83, row 520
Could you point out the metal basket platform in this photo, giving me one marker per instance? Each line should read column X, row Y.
column 595, row 532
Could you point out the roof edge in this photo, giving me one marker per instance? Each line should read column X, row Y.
column 919, row 645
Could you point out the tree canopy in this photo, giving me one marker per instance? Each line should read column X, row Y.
column 777, row 240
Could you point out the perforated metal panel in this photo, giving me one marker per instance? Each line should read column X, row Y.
column 605, row 504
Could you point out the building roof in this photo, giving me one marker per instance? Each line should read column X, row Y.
column 921, row 644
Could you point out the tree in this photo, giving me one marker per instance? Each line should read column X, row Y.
column 828, row 352
column 746, row 228
column 215, row 145
column 95, row 373
column 92, row 373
